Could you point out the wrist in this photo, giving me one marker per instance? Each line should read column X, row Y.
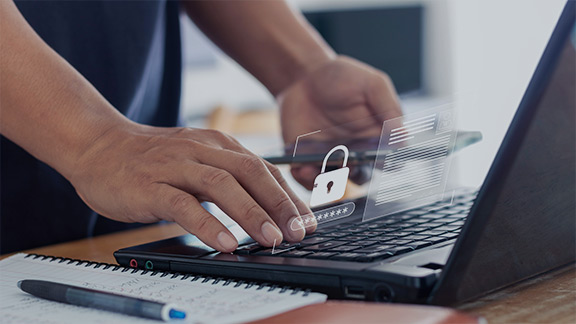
column 94, row 141
column 303, row 64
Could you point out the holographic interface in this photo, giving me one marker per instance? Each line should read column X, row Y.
column 413, row 162
column 400, row 164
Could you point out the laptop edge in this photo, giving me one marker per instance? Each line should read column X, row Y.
column 518, row 229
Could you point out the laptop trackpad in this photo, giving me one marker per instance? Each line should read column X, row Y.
column 437, row 256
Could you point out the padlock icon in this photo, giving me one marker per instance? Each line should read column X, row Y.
column 330, row 186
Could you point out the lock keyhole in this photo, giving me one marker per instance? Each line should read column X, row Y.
column 329, row 185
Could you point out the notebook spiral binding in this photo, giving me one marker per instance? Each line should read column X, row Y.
column 174, row 275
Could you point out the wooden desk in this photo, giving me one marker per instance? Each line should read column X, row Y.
column 550, row 298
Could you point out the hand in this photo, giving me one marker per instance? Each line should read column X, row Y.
column 146, row 174
column 337, row 93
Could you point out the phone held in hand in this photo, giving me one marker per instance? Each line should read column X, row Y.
column 362, row 150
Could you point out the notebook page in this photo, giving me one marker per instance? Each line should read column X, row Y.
column 204, row 300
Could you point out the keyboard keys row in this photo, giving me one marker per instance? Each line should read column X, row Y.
column 378, row 239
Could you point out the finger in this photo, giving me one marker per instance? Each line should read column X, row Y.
column 306, row 216
column 292, row 228
column 252, row 174
column 185, row 210
column 219, row 186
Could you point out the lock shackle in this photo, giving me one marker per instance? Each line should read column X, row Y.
column 334, row 149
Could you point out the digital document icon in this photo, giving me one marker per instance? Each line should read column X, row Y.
column 330, row 186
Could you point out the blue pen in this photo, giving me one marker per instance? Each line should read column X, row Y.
column 100, row 300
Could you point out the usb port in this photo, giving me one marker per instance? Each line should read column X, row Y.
column 355, row 292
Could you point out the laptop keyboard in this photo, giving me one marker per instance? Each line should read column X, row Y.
column 377, row 239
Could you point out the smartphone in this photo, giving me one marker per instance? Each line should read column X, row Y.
column 362, row 150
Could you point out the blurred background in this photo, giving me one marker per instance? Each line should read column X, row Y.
column 478, row 55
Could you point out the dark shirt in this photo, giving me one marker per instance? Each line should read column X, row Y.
column 130, row 51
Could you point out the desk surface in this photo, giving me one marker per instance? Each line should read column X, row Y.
column 549, row 298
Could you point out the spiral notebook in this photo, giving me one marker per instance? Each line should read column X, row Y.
column 205, row 299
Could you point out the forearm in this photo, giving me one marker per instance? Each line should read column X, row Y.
column 46, row 106
column 267, row 38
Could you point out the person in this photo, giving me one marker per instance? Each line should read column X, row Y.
column 89, row 95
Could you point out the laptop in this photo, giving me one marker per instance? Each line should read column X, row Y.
column 520, row 223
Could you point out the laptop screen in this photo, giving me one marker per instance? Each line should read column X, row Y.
column 523, row 222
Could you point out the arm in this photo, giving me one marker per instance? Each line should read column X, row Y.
column 47, row 107
column 127, row 171
column 268, row 38
column 316, row 89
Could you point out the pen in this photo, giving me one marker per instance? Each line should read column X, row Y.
column 100, row 300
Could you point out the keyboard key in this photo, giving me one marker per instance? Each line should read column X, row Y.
column 353, row 230
column 344, row 248
column 432, row 232
column 399, row 249
column 368, row 226
column 436, row 239
column 403, row 217
column 265, row 252
column 375, row 248
column 398, row 242
column 320, row 255
column 296, row 253
column 324, row 246
column 415, row 237
column 448, row 228
column 248, row 249
column 387, row 221
column 390, row 229
column 401, row 233
column 336, row 234
column 450, row 235
column 433, row 216
column 320, row 231
column 458, row 223
column 342, row 226
column 348, row 256
column 386, row 237
column 399, row 225
column 369, row 233
column 466, row 198
column 421, row 228
column 457, row 217
column 286, row 245
column 374, row 256
column 417, row 220
column 364, row 243
column 417, row 212
column 448, row 211
column 314, row 240
column 436, row 226
column 460, row 208
column 351, row 238
column 377, row 230
column 419, row 244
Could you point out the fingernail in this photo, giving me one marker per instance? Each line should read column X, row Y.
column 311, row 220
column 296, row 224
column 301, row 223
column 227, row 241
column 271, row 233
